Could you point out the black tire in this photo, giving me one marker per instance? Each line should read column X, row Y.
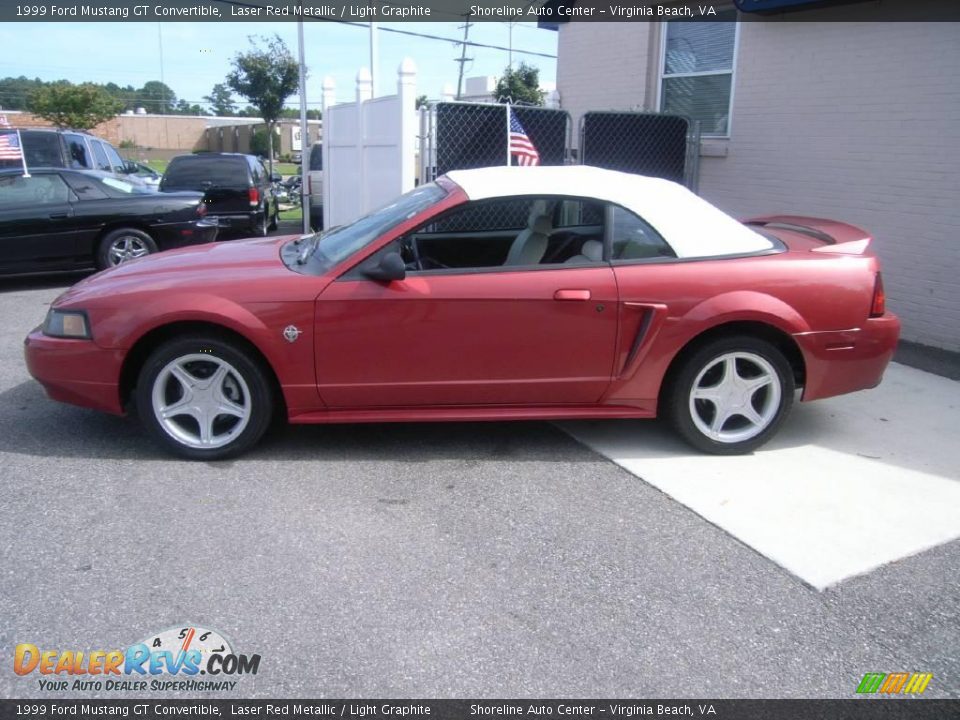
column 123, row 241
column 274, row 219
column 259, row 227
column 245, row 379
column 705, row 370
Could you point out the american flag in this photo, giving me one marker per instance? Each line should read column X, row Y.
column 10, row 146
column 520, row 146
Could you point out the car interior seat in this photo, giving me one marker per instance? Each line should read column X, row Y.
column 590, row 252
column 530, row 245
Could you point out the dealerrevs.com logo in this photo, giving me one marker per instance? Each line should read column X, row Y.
column 186, row 658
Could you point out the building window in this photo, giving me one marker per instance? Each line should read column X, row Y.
column 697, row 71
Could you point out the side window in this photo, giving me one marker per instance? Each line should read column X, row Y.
column 633, row 238
column 78, row 157
column 255, row 170
column 42, row 148
column 515, row 232
column 85, row 187
column 24, row 192
column 114, row 158
column 100, row 156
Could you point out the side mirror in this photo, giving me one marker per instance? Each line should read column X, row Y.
column 391, row 267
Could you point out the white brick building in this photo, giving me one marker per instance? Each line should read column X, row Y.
column 855, row 121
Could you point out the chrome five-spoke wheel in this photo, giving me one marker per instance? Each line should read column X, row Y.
column 201, row 401
column 205, row 397
column 735, row 397
column 126, row 247
column 730, row 395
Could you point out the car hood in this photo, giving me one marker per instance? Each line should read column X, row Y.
column 225, row 268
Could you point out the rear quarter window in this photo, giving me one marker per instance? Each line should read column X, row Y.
column 42, row 148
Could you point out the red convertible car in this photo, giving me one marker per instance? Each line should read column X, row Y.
column 491, row 294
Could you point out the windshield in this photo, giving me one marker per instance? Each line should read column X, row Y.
column 339, row 243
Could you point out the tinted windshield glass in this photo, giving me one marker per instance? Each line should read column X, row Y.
column 197, row 173
column 339, row 243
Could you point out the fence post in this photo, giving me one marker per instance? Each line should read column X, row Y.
column 328, row 99
column 364, row 94
column 407, row 94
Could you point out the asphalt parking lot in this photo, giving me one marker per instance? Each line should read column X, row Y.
column 493, row 560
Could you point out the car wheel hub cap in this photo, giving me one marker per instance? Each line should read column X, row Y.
column 201, row 401
column 735, row 397
column 127, row 248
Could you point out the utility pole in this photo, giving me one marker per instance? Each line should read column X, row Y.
column 304, row 129
column 463, row 59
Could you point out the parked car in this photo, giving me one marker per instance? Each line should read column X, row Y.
column 314, row 177
column 142, row 172
column 59, row 219
column 491, row 294
column 75, row 149
column 238, row 189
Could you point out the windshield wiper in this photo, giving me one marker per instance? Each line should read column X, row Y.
column 307, row 250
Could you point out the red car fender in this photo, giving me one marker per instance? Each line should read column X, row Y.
column 745, row 306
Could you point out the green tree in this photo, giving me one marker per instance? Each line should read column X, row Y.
column 184, row 107
column 520, row 85
column 260, row 143
column 422, row 101
column 157, row 97
column 221, row 101
column 73, row 106
column 15, row 91
column 266, row 75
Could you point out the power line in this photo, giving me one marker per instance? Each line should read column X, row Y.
column 463, row 56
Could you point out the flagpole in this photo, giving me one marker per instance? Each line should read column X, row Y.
column 23, row 154
column 508, row 135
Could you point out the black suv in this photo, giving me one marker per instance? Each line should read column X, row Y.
column 46, row 147
column 238, row 189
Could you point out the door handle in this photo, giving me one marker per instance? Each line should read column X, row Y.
column 580, row 295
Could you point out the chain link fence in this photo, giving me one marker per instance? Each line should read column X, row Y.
column 459, row 136
column 654, row 144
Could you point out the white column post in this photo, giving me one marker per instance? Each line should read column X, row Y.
column 328, row 99
column 364, row 94
column 407, row 93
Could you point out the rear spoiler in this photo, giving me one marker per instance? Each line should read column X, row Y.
column 838, row 237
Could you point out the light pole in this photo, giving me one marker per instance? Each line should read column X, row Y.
column 304, row 136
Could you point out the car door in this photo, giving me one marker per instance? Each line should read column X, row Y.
column 476, row 322
column 36, row 223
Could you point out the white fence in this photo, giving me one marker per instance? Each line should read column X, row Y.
column 369, row 146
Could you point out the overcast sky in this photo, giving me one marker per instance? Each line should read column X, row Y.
column 197, row 55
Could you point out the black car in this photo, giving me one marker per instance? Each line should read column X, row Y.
column 59, row 219
column 239, row 192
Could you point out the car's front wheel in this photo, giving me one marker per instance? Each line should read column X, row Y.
column 204, row 398
column 123, row 244
column 731, row 395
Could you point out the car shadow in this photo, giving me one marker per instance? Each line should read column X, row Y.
column 17, row 283
column 32, row 424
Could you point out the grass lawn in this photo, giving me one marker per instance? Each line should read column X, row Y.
column 294, row 214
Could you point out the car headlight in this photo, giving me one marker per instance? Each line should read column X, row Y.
column 67, row 324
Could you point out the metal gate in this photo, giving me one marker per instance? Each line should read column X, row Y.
column 655, row 144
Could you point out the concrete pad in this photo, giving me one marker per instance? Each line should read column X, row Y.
column 849, row 484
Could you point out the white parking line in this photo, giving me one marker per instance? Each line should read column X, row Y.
column 849, row 484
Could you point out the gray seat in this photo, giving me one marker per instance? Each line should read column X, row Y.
column 590, row 252
column 530, row 245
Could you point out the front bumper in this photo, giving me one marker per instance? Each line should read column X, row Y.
column 844, row 361
column 78, row 372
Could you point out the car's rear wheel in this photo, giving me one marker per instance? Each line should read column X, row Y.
column 731, row 395
column 274, row 219
column 122, row 245
column 260, row 228
column 204, row 398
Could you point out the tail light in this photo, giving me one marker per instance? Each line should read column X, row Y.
column 201, row 209
column 879, row 304
column 254, row 196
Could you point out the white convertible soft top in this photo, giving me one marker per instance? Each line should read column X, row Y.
column 692, row 226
